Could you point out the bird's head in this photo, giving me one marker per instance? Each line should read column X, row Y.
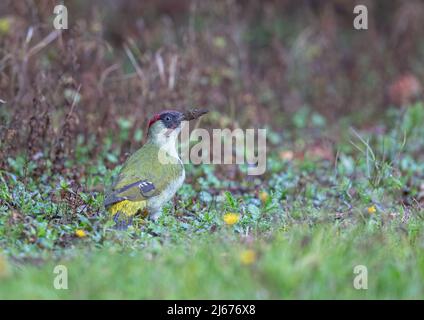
column 166, row 125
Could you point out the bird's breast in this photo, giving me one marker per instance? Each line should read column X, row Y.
column 158, row 201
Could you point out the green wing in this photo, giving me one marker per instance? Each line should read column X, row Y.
column 142, row 177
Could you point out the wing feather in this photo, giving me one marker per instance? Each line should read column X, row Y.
column 136, row 191
column 136, row 183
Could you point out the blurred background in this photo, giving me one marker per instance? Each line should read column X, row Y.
column 254, row 63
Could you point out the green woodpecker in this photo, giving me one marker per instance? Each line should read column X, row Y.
column 153, row 174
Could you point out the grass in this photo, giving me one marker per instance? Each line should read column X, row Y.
column 302, row 262
column 299, row 231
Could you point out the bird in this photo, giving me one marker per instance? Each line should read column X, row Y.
column 151, row 176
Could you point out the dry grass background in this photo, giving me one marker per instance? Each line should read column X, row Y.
column 253, row 62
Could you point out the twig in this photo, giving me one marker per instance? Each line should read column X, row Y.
column 23, row 72
column 43, row 43
column 172, row 72
column 74, row 101
column 105, row 74
column 161, row 66
column 135, row 64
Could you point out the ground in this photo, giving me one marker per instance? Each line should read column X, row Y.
column 298, row 231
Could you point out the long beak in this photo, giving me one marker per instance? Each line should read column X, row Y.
column 193, row 114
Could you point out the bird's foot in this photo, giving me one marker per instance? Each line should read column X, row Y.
column 122, row 221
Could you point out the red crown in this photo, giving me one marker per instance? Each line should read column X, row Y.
column 156, row 117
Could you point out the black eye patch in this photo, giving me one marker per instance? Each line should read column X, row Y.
column 171, row 119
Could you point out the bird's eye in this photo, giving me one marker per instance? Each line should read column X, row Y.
column 167, row 118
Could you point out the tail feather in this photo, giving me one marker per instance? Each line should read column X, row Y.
column 124, row 211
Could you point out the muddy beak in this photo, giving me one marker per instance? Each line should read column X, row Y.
column 193, row 114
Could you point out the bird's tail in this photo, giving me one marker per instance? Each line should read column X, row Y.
column 123, row 212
